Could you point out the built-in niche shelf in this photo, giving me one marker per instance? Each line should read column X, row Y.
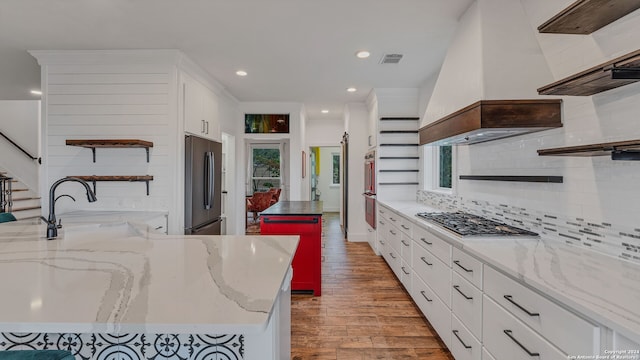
column 111, row 143
column 619, row 150
column 618, row 72
column 129, row 178
column 516, row 178
column 586, row 16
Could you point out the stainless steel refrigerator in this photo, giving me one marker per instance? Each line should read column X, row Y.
column 203, row 195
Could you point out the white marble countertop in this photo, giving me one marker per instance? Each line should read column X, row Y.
column 601, row 287
column 118, row 277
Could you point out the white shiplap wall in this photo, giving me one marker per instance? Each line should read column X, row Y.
column 97, row 100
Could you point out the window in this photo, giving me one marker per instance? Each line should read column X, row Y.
column 439, row 170
column 265, row 167
column 335, row 157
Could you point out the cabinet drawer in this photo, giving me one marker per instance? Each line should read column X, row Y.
column 406, row 226
column 433, row 243
column 394, row 218
column 393, row 237
column 393, row 259
column 158, row 224
column 406, row 273
column 547, row 318
column 383, row 212
column 433, row 272
column 466, row 304
column 436, row 312
column 467, row 266
column 464, row 346
column 507, row 338
column 405, row 247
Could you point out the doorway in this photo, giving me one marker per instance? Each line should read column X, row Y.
column 325, row 176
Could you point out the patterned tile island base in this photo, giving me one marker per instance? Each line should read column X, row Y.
column 131, row 346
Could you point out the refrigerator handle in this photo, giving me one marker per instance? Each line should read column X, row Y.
column 212, row 178
column 208, row 179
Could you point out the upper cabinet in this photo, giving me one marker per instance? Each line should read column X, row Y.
column 586, row 16
column 200, row 109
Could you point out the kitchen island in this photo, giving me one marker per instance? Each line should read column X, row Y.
column 303, row 218
column 118, row 290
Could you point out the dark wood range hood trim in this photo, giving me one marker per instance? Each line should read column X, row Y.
column 527, row 115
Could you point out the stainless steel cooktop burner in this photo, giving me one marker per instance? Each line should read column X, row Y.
column 468, row 224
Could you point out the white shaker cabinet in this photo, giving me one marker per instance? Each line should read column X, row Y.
column 200, row 109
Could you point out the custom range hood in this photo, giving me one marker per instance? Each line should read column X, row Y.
column 486, row 88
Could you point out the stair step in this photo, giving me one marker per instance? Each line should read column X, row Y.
column 16, row 209
column 26, row 198
column 16, row 190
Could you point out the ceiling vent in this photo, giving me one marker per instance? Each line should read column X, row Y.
column 391, row 58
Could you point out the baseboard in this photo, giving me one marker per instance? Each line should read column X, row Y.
column 359, row 237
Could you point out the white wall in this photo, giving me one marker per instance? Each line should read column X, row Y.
column 330, row 194
column 325, row 132
column 356, row 120
column 20, row 121
column 594, row 188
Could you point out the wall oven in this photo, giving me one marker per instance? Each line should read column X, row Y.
column 370, row 188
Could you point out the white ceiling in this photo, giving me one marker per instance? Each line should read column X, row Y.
column 294, row 50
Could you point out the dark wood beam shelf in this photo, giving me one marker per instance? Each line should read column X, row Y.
column 618, row 72
column 586, row 16
column 129, row 178
column 619, row 150
column 525, row 178
column 111, row 143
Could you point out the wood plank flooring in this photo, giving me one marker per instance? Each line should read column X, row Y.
column 363, row 313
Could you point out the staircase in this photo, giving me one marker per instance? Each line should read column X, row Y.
column 21, row 201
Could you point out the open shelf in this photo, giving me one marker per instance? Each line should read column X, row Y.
column 111, row 143
column 618, row 72
column 525, row 178
column 619, row 150
column 586, row 16
column 129, row 178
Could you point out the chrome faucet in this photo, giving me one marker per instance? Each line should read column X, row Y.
column 52, row 227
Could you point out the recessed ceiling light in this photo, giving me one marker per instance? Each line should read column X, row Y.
column 324, row 111
column 241, row 73
column 363, row 54
column 352, row 89
column 36, row 92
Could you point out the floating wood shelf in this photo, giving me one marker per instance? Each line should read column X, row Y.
column 544, row 179
column 586, row 16
column 129, row 178
column 619, row 150
column 399, row 118
column 618, row 72
column 111, row 143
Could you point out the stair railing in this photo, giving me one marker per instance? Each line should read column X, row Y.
column 21, row 149
column 6, row 202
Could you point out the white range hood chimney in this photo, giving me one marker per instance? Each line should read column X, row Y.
column 494, row 55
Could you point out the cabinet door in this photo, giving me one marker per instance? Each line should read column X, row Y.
column 210, row 115
column 192, row 100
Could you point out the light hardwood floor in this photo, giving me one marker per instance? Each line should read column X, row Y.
column 363, row 313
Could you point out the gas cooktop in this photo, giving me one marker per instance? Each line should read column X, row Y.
column 466, row 224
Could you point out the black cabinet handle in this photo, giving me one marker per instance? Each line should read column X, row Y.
column 381, row 223
column 404, row 243
column 404, row 271
column 392, row 233
column 425, row 296
column 455, row 332
column 425, row 241
column 425, row 261
column 381, row 242
column 292, row 221
column 392, row 256
column 457, row 262
column 404, row 227
column 457, row 287
column 392, row 219
column 508, row 333
column 510, row 299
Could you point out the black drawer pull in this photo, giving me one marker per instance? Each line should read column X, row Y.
column 271, row 221
column 457, row 262
column 392, row 256
column 392, row 233
column 404, row 271
column 392, row 219
column 455, row 332
column 510, row 299
column 425, row 261
column 381, row 242
column 425, row 241
column 457, row 287
column 381, row 222
column 508, row 333
column 404, row 227
column 425, row 296
column 404, row 243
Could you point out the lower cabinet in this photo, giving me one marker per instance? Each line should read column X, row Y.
column 464, row 346
column 433, row 308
